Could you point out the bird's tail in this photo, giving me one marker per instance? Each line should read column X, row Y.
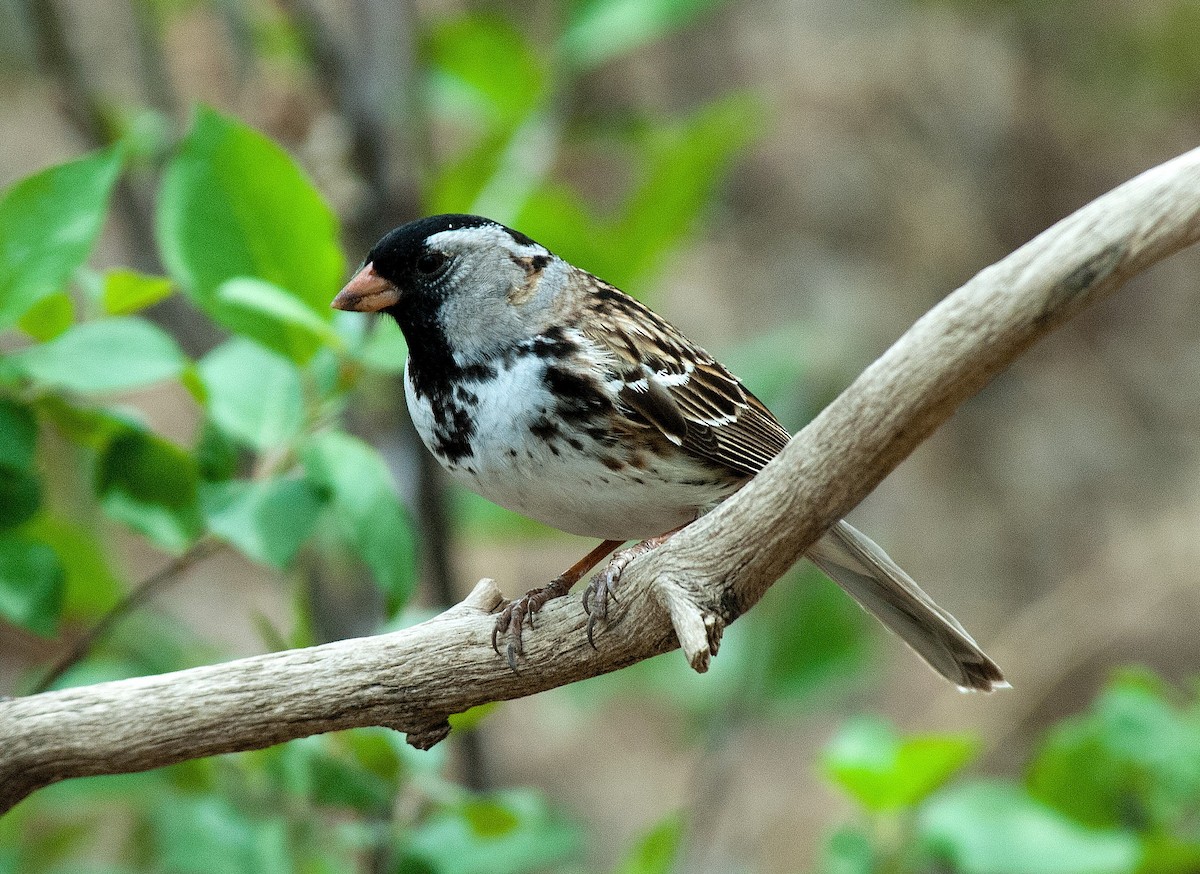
column 878, row 584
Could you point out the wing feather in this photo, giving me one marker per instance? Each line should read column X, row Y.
column 667, row 383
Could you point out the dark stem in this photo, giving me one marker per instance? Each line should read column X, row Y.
column 136, row 597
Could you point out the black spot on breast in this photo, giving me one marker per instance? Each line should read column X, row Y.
column 465, row 395
column 479, row 371
column 575, row 444
column 539, row 262
column 452, row 431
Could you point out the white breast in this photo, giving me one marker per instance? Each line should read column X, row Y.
column 555, row 483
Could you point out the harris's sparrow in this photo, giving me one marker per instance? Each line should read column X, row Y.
column 558, row 396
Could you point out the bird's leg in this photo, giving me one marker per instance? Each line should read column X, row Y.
column 600, row 589
column 512, row 618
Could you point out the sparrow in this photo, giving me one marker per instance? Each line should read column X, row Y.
column 556, row 395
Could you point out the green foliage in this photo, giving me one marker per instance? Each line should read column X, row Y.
column 103, row 356
column 994, row 828
column 267, row 469
column 1135, row 757
column 604, row 29
column 504, row 833
column 495, row 80
column 1113, row 790
column 884, row 772
column 127, row 291
column 233, row 204
column 48, row 225
column 255, row 396
column 268, row 520
column 658, row 850
column 150, row 484
column 20, row 487
column 364, row 511
column 31, row 584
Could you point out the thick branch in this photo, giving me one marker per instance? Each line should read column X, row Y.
column 684, row 593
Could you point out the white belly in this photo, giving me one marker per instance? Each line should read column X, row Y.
column 551, row 481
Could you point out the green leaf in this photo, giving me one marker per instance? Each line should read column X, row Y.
column 504, row 833
column 365, row 509
column 49, row 317
column 604, row 29
column 234, row 204
column 372, row 749
column 489, row 819
column 217, row 455
column 260, row 296
column 127, row 291
column 848, row 851
column 683, row 163
column 677, row 167
column 48, row 225
column 492, row 58
column 1134, row 756
column 995, row 828
column 814, row 639
column 657, row 852
column 20, row 496
column 90, row 586
column 383, row 349
column 20, row 487
column 31, row 584
column 254, row 395
column 267, row 520
column 104, row 356
column 321, row 769
column 18, row 434
column 471, row 719
column 149, row 484
column 884, row 772
column 206, row 833
column 88, row 426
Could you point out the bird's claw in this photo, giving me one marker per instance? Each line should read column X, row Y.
column 602, row 588
column 519, row 611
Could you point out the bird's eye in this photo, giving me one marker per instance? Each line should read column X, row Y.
column 430, row 263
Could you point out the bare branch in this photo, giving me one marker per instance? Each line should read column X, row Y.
column 688, row 590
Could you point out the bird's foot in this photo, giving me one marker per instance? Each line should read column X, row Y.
column 602, row 586
column 518, row 611
column 514, row 613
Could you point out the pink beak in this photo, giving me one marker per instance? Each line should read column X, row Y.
column 367, row 292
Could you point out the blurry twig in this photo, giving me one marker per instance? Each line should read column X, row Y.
column 135, row 598
column 374, row 88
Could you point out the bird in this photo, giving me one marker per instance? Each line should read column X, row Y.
column 558, row 396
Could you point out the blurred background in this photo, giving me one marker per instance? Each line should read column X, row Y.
column 792, row 184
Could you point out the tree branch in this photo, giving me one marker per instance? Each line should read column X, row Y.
column 682, row 594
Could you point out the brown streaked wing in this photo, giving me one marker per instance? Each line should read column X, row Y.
column 726, row 425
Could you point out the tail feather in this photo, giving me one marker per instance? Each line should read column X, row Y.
column 878, row 584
